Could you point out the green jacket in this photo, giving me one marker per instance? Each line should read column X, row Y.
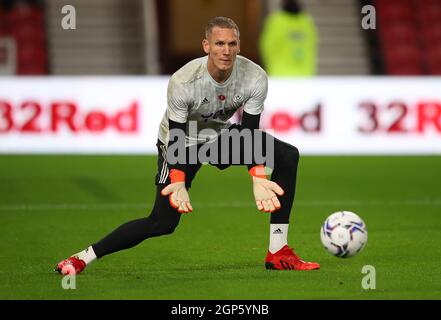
column 288, row 44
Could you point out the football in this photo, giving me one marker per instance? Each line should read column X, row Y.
column 344, row 234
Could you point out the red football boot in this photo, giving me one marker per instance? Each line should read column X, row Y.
column 287, row 259
column 70, row 266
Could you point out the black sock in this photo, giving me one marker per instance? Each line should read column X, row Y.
column 163, row 220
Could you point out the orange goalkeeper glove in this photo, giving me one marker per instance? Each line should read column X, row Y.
column 177, row 192
column 265, row 190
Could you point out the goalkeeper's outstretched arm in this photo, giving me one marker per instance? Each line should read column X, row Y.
column 176, row 190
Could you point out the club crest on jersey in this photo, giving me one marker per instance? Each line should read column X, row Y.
column 221, row 97
column 237, row 98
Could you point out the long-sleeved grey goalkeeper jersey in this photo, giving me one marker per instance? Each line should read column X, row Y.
column 193, row 95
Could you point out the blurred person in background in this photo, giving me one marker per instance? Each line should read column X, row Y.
column 288, row 43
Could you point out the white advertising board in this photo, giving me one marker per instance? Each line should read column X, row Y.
column 327, row 115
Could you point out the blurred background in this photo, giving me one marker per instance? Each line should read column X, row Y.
column 346, row 76
column 136, row 37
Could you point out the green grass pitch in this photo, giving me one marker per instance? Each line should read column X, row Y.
column 53, row 206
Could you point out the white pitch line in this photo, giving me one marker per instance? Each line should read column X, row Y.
column 237, row 204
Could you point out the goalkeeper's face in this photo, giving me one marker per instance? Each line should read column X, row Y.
column 222, row 46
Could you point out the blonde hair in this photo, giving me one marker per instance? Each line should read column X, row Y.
column 221, row 22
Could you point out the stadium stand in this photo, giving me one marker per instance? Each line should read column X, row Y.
column 23, row 22
column 410, row 36
column 108, row 39
column 342, row 45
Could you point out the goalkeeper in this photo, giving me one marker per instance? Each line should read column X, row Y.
column 205, row 93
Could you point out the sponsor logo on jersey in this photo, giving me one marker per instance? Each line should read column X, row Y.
column 224, row 114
